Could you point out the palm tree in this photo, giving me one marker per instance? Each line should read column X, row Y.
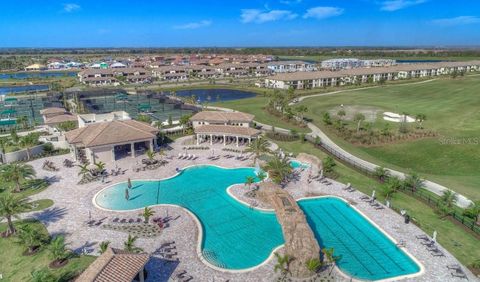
column 129, row 245
column 359, row 118
column 278, row 169
column 11, row 206
column 150, row 155
column 381, row 173
column 313, row 265
column 84, row 171
column 100, row 167
column 14, row 135
column 147, row 213
column 42, row 275
column 104, row 246
column 261, row 176
column 473, row 211
column 28, row 141
column 341, row 113
column 17, row 173
column 58, row 250
column 282, row 263
column 420, row 118
column 449, row 198
column 258, row 147
column 414, row 182
column 184, row 122
column 30, row 238
column 301, row 110
column 249, row 180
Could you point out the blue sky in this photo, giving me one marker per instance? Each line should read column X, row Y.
column 155, row 23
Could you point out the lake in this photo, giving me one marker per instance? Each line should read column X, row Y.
column 20, row 89
column 216, row 95
column 43, row 74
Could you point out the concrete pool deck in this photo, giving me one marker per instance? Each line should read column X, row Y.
column 73, row 205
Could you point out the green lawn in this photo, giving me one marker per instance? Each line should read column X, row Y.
column 16, row 267
column 462, row 244
column 451, row 107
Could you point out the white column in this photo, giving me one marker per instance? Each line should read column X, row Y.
column 198, row 139
column 224, row 140
column 237, row 141
column 113, row 153
column 211, row 139
column 249, row 140
column 132, row 148
column 150, row 145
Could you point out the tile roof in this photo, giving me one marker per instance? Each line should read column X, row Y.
column 61, row 118
column 227, row 130
column 114, row 265
column 222, row 116
column 111, row 132
column 52, row 110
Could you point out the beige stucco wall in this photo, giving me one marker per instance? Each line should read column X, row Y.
column 103, row 154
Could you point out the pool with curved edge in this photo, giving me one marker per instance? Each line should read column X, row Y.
column 236, row 237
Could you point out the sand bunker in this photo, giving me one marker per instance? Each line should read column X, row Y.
column 393, row 117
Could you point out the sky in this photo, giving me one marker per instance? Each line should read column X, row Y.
column 239, row 23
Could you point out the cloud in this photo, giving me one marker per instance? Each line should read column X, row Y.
column 461, row 20
column 290, row 2
column 323, row 12
column 259, row 16
column 194, row 25
column 71, row 7
column 395, row 5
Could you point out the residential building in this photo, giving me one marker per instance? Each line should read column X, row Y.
column 309, row 80
column 35, row 67
column 98, row 77
column 290, row 66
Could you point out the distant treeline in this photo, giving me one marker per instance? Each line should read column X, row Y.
column 276, row 51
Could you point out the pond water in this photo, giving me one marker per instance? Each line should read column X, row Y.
column 215, row 95
column 20, row 89
column 44, row 74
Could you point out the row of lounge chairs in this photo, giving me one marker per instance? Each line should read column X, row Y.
column 186, row 157
column 127, row 220
column 457, row 271
column 430, row 245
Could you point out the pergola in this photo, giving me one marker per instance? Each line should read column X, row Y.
column 225, row 132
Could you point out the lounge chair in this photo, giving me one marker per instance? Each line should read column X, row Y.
column 422, row 237
column 124, row 220
column 363, row 198
column 459, row 273
column 454, row 266
column 116, row 219
column 179, row 155
column 437, row 253
column 379, row 207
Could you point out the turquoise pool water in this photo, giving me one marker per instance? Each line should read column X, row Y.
column 234, row 236
column 237, row 237
column 297, row 164
column 364, row 251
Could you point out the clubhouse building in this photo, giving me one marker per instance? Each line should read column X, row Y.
column 225, row 127
column 107, row 141
column 309, row 80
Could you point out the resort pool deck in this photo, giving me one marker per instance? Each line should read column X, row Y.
column 236, row 237
column 364, row 251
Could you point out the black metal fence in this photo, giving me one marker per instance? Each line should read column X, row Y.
column 423, row 195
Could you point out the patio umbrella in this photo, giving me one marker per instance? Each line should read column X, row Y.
column 373, row 194
column 434, row 237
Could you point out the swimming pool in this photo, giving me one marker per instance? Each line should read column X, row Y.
column 365, row 252
column 297, row 164
column 236, row 237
